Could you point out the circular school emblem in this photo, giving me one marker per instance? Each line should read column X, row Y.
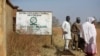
column 33, row 20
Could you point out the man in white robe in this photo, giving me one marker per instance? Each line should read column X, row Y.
column 66, row 32
column 89, row 34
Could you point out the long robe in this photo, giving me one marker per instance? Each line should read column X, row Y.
column 89, row 33
column 66, row 28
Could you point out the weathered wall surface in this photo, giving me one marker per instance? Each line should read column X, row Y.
column 6, row 24
column 2, row 35
column 9, row 19
column 1, row 14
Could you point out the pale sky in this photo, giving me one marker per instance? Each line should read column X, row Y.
column 63, row 8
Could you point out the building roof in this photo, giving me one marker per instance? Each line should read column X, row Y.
column 9, row 3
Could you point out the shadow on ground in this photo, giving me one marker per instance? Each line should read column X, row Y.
column 65, row 53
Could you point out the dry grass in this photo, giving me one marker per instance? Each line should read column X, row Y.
column 98, row 41
column 25, row 45
column 19, row 45
column 32, row 45
column 29, row 45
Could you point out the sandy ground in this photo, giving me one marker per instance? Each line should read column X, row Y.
column 78, row 53
column 98, row 42
column 30, row 45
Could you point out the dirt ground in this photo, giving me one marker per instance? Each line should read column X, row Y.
column 33, row 45
column 98, row 41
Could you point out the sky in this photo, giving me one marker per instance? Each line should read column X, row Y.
column 63, row 8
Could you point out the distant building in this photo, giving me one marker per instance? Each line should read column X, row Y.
column 7, row 22
column 11, row 16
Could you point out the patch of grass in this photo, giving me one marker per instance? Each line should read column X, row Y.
column 34, row 45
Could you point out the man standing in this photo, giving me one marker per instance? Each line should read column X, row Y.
column 75, row 29
column 66, row 32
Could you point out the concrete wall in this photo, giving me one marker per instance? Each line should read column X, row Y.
column 2, row 29
column 1, row 14
column 7, row 12
column 9, row 19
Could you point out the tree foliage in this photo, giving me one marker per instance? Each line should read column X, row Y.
column 55, row 22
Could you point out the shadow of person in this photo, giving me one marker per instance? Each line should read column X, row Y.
column 65, row 52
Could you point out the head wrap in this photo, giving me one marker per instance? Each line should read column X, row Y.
column 90, row 19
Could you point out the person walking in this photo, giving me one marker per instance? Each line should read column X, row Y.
column 89, row 33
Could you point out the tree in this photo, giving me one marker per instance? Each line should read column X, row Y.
column 55, row 22
column 99, row 21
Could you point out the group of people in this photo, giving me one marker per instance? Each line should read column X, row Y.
column 80, row 36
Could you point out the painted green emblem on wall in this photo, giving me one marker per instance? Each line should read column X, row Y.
column 33, row 20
